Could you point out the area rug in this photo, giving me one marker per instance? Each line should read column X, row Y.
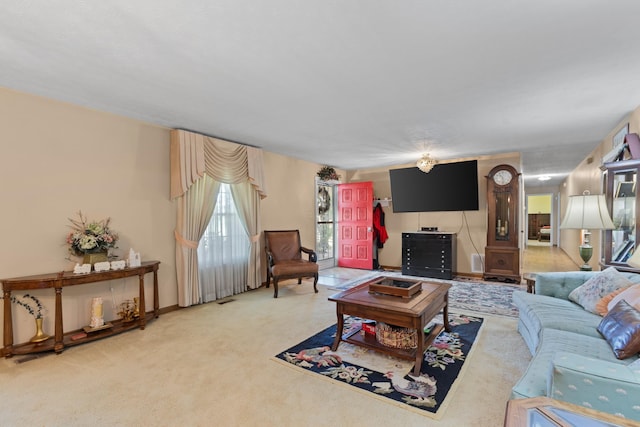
column 479, row 297
column 386, row 377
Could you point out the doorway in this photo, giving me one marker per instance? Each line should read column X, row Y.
column 540, row 220
column 326, row 224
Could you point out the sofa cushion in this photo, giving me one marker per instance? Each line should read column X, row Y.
column 534, row 382
column 598, row 384
column 537, row 312
column 631, row 295
column 602, row 307
column 621, row 328
column 594, row 289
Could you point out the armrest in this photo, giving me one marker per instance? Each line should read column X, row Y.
column 595, row 383
column 269, row 257
column 560, row 284
column 312, row 254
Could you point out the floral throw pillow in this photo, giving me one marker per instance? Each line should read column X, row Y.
column 593, row 290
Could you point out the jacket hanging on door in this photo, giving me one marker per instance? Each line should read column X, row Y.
column 379, row 231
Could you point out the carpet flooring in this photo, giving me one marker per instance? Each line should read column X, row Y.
column 386, row 377
column 213, row 365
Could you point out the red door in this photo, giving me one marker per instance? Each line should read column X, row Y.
column 355, row 225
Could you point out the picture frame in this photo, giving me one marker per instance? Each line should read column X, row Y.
column 625, row 251
column 626, row 189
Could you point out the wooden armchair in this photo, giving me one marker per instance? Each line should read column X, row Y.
column 284, row 258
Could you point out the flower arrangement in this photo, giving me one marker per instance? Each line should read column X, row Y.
column 90, row 237
column 327, row 173
column 35, row 312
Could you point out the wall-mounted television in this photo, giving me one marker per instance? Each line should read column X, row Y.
column 448, row 187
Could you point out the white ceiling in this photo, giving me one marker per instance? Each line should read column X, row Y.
column 350, row 83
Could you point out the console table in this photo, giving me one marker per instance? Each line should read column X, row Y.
column 58, row 281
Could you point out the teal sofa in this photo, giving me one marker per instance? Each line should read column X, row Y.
column 571, row 360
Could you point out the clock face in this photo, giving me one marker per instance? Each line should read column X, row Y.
column 502, row 177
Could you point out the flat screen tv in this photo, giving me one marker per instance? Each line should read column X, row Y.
column 448, row 187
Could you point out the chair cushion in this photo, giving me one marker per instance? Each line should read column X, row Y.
column 594, row 289
column 294, row 267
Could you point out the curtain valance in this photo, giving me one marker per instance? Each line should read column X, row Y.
column 193, row 155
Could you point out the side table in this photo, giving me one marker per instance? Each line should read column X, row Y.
column 546, row 412
column 530, row 278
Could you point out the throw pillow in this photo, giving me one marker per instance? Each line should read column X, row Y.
column 621, row 328
column 631, row 295
column 590, row 292
column 602, row 306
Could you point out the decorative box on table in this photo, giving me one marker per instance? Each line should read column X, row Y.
column 395, row 287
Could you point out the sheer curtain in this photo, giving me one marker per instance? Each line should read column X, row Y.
column 223, row 252
column 198, row 160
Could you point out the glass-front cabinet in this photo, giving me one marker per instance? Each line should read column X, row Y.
column 620, row 188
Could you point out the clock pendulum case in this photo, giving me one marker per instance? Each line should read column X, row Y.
column 502, row 254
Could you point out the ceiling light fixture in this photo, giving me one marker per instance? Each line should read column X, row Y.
column 426, row 163
column 544, row 178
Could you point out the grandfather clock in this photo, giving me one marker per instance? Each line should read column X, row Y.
column 502, row 254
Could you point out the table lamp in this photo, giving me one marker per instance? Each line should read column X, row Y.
column 585, row 212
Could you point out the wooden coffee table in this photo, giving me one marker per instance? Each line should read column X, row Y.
column 415, row 312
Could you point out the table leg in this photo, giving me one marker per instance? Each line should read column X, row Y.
column 8, row 325
column 419, row 352
column 445, row 313
column 142, row 310
column 156, row 300
column 58, row 345
column 339, row 329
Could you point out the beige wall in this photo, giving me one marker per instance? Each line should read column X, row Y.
column 588, row 176
column 56, row 159
column 539, row 204
column 470, row 226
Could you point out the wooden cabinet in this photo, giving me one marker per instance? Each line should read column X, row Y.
column 502, row 253
column 429, row 254
column 620, row 180
column 57, row 282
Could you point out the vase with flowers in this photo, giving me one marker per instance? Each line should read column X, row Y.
column 34, row 307
column 91, row 240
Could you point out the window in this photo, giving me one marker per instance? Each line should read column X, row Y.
column 223, row 253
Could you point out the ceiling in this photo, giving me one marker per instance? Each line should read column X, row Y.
column 353, row 84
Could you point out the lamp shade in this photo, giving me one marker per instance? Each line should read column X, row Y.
column 588, row 211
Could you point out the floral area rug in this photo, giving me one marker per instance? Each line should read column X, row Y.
column 386, row 377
